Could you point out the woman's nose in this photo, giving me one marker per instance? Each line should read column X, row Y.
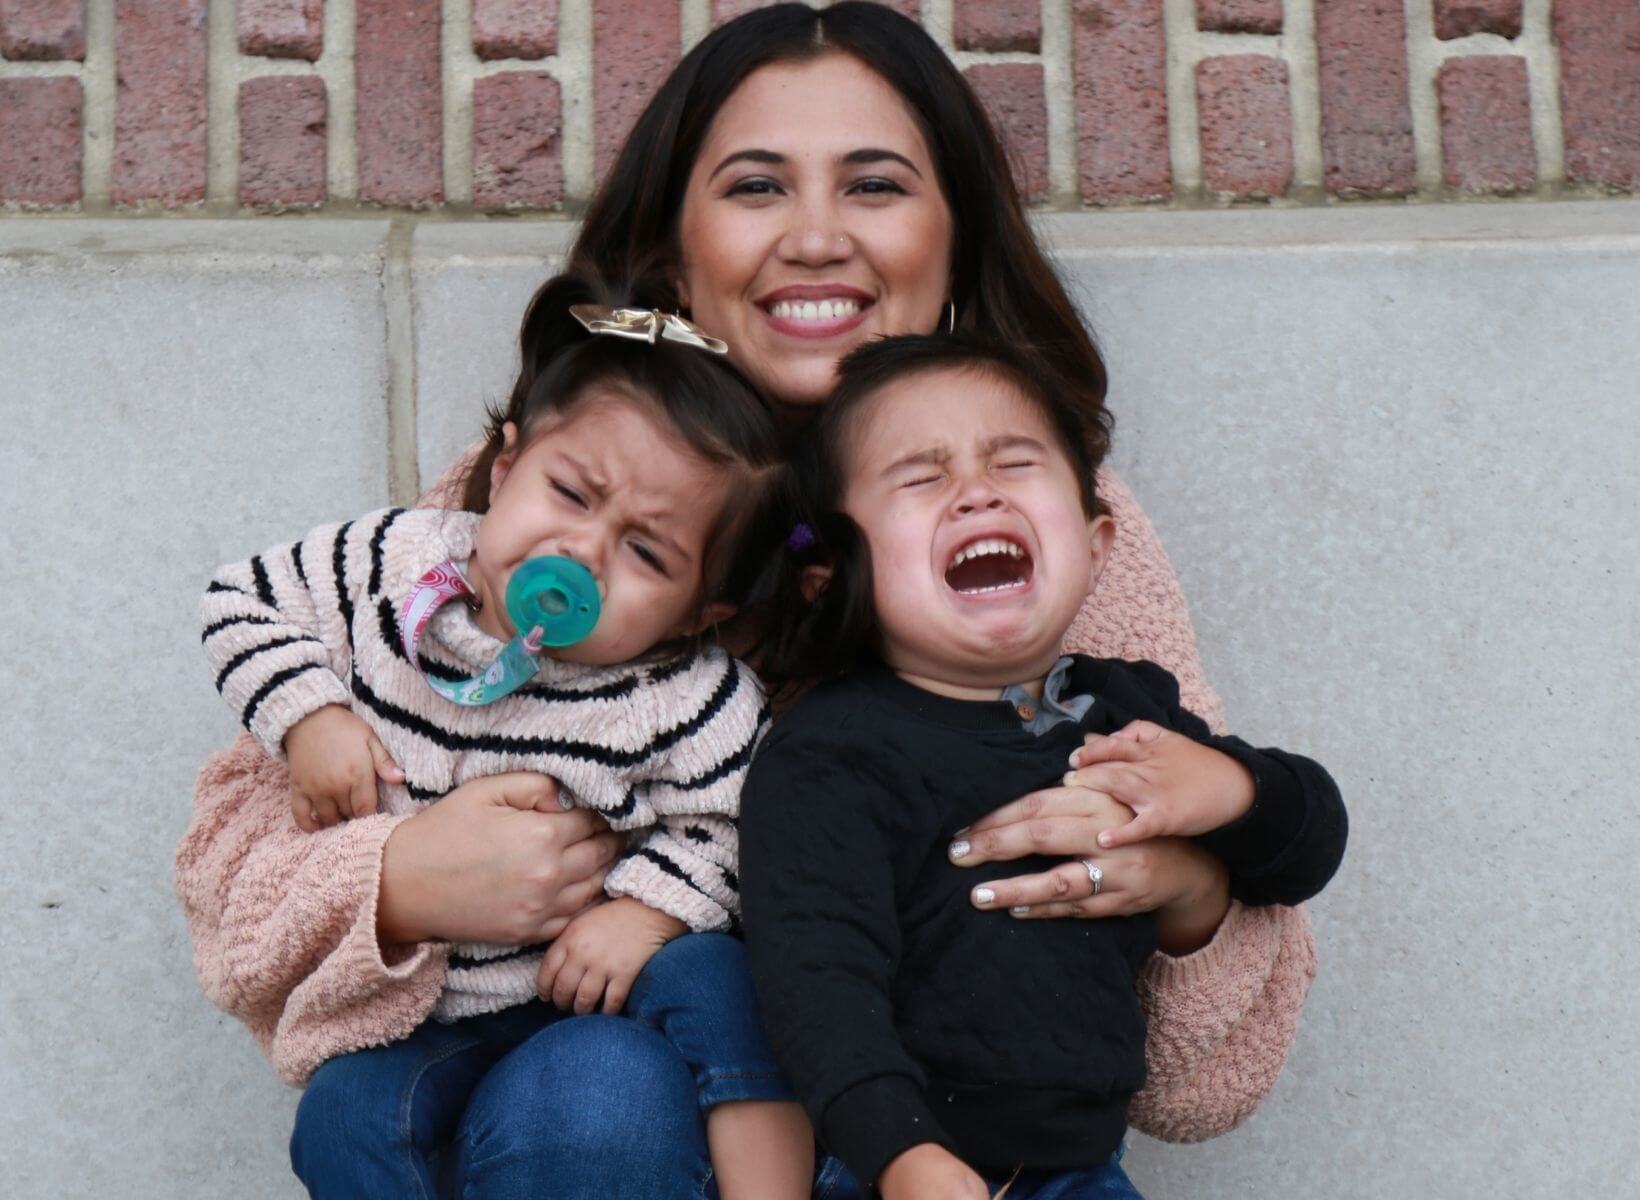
column 815, row 237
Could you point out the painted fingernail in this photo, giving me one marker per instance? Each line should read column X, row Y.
column 963, row 830
column 1019, row 910
column 1074, row 754
column 1104, row 840
column 984, row 895
column 1068, row 778
column 959, row 849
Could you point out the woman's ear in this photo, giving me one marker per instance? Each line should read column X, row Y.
column 503, row 461
column 1101, row 536
column 815, row 579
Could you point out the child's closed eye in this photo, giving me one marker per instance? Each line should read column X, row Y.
column 569, row 493
column 650, row 559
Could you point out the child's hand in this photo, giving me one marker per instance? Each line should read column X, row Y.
column 601, row 952
column 930, row 1172
column 335, row 761
column 1176, row 787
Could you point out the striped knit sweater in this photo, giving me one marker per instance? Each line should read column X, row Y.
column 659, row 748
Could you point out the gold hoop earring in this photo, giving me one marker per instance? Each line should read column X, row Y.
column 951, row 316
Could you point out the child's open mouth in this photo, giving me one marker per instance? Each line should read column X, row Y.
column 989, row 566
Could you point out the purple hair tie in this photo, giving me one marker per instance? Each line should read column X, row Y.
column 801, row 538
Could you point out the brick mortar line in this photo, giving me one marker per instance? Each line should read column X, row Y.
column 222, row 79
column 1537, row 40
column 1183, row 114
column 939, row 18
column 31, row 69
column 577, row 140
column 1423, row 63
column 1302, row 54
column 1059, row 89
column 98, row 86
column 694, row 23
column 399, row 345
column 457, row 60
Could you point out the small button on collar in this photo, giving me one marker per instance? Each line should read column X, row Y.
column 1026, row 712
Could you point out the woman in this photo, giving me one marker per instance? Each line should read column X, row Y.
column 804, row 180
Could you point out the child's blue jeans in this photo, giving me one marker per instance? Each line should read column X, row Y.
column 388, row 1121
column 1107, row 1182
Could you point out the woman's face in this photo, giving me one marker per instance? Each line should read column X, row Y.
column 812, row 221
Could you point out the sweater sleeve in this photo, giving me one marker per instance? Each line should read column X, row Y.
column 706, row 724
column 1220, row 1021
column 1288, row 846
column 823, row 939
column 1138, row 611
column 276, row 628
column 283, row 923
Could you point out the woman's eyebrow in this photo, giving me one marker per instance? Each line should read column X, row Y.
column 758, row 156
column 876, row 154
column 854, row 158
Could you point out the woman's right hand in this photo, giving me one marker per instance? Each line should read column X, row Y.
column 497, row 860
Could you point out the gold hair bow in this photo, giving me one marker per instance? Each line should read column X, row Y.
column 644, row 325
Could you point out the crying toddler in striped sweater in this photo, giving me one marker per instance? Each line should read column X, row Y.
column 387, row 659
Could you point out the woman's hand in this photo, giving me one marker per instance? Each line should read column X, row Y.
column 930, row 1172
column 497, row 860
column 1186, row 886
column 1176, row 787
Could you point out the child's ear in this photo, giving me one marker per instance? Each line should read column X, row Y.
column 712, row 614
column 815, row 579
column 1101, row 536
column 503, row 461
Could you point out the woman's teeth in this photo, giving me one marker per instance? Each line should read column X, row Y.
column 812, row 310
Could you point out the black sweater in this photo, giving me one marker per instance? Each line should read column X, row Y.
column 903, row 1014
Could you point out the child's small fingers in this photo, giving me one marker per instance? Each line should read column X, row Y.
column 325, row 812
column 363, row 796
column 1142, row 828
column 590, row 991
column 566, row 984
column 615, row 996
column 1111, row 747
column 301, row 809
column 386, row 769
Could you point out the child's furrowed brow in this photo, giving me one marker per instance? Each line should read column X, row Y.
column 932, row 457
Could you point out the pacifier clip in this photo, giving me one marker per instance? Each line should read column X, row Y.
column 555, row 599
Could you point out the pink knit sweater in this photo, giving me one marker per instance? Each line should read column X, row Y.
column 284, row 930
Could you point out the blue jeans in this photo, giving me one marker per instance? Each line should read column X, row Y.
column 530, row 1102
column 1107, row 1182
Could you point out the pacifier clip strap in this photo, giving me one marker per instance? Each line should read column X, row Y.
column 515, row 666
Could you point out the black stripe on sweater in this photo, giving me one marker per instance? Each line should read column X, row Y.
column 387, row 616
column 244, row 656
column 296, row 561
column 376, row 539
column 264, row 589
column 671, row 868
column 338, row 565
column 218, row 626
column 218, row 586
column 726, row 687
column 491, row 743
column 273, row 681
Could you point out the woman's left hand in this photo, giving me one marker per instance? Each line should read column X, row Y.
column 1185, row 885
column 1175, row 786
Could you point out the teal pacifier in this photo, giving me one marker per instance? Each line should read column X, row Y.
column 556, row 595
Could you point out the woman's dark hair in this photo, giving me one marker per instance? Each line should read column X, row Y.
column 1001, row 284
column 697, row 394
column 835, row 632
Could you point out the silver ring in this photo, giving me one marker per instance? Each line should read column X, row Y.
column 1095, row 875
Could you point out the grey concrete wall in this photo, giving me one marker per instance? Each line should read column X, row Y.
column 1392, row 452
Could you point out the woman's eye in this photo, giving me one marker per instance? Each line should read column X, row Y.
column 569, row 493
column 756, row 186
column 876, row 186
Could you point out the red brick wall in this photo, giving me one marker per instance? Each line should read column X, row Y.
column 342, row 103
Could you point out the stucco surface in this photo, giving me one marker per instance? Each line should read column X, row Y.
column 1391, row 455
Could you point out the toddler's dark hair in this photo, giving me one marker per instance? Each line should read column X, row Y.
column 698, row 395
column 808, row 641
